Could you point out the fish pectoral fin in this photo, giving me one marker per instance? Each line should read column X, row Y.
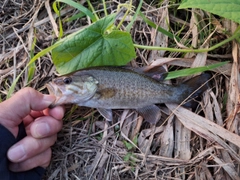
column 106, row 113
column 151, row 113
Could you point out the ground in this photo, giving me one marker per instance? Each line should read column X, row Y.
column 191, row 144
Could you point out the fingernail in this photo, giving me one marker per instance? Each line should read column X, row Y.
column 17, row 153
column 41, row 129
column 49, row 99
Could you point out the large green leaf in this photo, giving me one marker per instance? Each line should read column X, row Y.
column 226, row 8
column 96, row 45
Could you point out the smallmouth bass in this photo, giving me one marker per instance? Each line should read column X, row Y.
column 107, row 88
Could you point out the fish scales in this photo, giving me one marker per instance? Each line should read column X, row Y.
column 130, row 89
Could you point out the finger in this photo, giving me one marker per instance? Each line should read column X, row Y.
column 42, row 160
column 29, row 147
column 28, row 120
column 56, row 112
column 20, row 105
column 36, row 114
column 45, row 126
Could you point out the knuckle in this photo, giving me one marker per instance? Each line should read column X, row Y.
column 36, row 146
column 54, row 139
column 29, row 91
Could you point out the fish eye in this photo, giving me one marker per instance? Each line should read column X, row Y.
column 67, row 80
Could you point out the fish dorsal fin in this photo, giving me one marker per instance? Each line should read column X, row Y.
column 106, row 113
column 158, row 73
column 151, row 113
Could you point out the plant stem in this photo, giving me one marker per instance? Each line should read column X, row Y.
column 234, row 36
column 152, row 24
column 92, row 9
column 129, row 26
column 125, row 15
column 104, row 7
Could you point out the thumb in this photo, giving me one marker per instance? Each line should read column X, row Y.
column 20, row 105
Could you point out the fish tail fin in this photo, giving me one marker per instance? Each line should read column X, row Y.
column 195, row 88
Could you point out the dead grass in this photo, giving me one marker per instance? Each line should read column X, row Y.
column 203, row 144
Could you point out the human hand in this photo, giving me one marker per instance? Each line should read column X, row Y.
column 41, row 124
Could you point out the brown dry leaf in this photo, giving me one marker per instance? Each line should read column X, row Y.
column 31, row 27
column 182, row 146
column 51, row 18
column 87, row 147
column 233, row 118
column 233, row 93
column 187, row 62
column 101, row 156
column 158, row 38
column 182, row 141
column 203, row 154
column 143, row 138
column 206, row 129
column 162, row 60
column 167, row 140
column 200, row 60
column 216, row 109
column 126, row 123
column 202, row 172
column 194, row 31
column 208, row 106
column 227, row 167
column 137, row 128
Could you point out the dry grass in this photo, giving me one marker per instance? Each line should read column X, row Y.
column 203, row 144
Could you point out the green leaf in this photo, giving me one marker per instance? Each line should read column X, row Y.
column 74, row 17
column 96, row 45
column 55, row 8
column 224, row 8
column 155, row 26
column 126, row 158
column 32, row 67
column 191, row 71
column 128, row 145
column 80, row 7
column 129, row 26
column 135, row 139
column 38, row 55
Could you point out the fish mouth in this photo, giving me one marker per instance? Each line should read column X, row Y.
column 54, row 90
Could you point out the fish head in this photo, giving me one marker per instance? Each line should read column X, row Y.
column 72, row 89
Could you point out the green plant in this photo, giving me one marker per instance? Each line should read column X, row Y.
column 223, row 8
column 129, row 157
column 98, row 44
column 103, row 43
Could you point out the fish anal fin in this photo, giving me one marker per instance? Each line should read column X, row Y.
column 106, row 113
column 151, row 113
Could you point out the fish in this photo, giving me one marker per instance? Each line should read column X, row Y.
column 107, row 88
